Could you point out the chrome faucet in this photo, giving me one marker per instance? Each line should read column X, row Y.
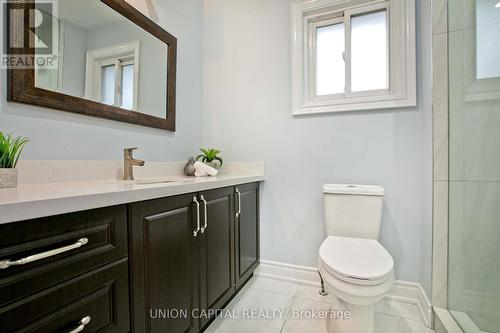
column 128, row 164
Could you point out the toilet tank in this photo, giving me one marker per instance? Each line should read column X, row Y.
column 353, row 210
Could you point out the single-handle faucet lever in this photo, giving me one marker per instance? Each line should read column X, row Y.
column 129, row 162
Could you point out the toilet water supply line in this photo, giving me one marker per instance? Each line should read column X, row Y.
column 322, row 291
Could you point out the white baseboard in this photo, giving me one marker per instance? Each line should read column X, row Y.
column 405, row 292
column 413, row 293
column 291, row 273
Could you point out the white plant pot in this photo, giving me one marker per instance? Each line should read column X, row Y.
column 8, row 178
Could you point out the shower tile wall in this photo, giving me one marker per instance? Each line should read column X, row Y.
column 474, row 162
column 440, row 141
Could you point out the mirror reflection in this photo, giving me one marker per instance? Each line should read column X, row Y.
column 106, row 58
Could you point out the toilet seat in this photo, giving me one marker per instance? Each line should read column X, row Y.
column 358, row 261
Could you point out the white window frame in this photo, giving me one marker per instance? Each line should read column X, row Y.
column 118, row 55
column 307, row 15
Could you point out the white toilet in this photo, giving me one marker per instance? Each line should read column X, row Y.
column 352, row 263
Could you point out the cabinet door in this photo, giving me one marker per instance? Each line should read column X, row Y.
column 247, row 231
column 164, row 286
column 216, row 251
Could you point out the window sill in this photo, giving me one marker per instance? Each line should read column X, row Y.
column 307, row 109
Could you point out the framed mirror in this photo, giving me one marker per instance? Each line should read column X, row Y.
column 100, row 58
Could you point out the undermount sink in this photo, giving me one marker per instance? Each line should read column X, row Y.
column 149, row 181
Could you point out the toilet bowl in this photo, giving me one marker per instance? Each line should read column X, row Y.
column 359, row 272
column 354, row 266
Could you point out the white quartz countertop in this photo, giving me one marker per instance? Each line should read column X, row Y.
column 40, row 200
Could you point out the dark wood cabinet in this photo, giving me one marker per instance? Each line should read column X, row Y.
column 100, row 296
column 216, row 249
column 105, row 232
column 164, row 279
column 56, row 271
column 187, row 257
column 153, row 266
column 246, row 231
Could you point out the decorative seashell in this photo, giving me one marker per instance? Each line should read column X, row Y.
column 189, row 169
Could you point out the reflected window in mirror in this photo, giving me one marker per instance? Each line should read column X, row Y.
column 112, row 75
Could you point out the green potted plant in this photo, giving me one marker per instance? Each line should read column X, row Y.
column 210, row 157
column 10, row 150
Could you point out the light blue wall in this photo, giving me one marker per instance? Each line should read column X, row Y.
column 61, row 135
column 246, row 111
column 248, row 115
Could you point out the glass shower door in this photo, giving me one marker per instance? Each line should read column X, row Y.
column 474, row 164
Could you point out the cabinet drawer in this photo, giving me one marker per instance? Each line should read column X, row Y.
column 101, row 296
column 101, row 235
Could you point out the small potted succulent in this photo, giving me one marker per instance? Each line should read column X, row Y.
column 210, row 157
column 10, row 150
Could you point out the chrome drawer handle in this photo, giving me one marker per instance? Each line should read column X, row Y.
column 195, row 232
column 7, row 263
column 206, row 215
column 81, row 325
column 239, row 203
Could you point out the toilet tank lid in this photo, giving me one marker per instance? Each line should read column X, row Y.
column 353, row 189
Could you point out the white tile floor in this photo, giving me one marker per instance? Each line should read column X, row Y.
column 275, row 303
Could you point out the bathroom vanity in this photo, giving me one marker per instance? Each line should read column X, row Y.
column 113, row 269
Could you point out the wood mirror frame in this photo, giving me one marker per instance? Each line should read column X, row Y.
column 21, row 82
